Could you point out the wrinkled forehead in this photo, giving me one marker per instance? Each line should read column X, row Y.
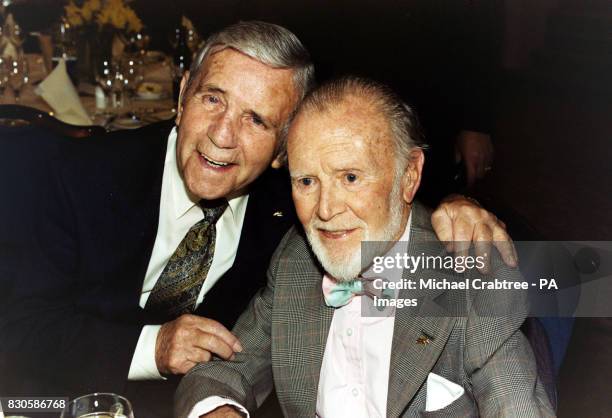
column 252, row 84
column 223, row 57
column 350, row 123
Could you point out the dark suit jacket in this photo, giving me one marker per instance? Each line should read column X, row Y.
column 78, row 239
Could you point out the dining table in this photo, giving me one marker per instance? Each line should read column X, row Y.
column 143, row 108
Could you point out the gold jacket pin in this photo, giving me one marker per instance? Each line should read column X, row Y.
column 423, row 340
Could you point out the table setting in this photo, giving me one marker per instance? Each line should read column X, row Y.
column 131, row 98
column 94, row 67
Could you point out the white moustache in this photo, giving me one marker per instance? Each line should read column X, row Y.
column 329, row 227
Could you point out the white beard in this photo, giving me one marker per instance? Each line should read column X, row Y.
column 347, row 266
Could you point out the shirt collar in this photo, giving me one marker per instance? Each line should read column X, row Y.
column 183, row 200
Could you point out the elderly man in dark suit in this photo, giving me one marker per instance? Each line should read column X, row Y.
column 355, row 161
column 142, row 248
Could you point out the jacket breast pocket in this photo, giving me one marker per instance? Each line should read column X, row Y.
column 463, row 407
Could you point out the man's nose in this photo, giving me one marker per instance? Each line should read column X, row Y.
column 331, row 202
column 222, row 132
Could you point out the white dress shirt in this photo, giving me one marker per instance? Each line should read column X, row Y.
column 354, row 378
column 178, row 212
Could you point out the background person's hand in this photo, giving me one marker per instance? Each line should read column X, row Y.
column 475, row 149
column 192, row 339
column 458, row 221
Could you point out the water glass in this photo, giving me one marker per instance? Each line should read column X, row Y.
column 132, row 75
column 3, row 75
column 99, row 405
column 18, row 76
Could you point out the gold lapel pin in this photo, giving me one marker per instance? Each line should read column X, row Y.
column 278, row 214
column 423, row 340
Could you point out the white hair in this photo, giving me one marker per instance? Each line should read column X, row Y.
column 267, row 43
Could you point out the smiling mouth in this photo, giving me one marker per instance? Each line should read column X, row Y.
column 339, row 234
column 213, row 163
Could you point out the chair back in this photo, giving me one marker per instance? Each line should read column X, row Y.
column 17, row 116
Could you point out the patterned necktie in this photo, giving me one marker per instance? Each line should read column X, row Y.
column 178, row 287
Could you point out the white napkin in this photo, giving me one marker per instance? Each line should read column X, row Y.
column 59, row 92
column 441, row 392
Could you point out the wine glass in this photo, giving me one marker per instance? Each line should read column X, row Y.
column 141, row 42
column 99, row 405
column 18, row 76
column 118, row 86
column 193, row 41
column 132, row 75
column 105, row 76
column 3, row 76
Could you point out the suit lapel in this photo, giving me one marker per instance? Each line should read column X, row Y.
column 307, row 320
column 411, row 359
column 420, row 334
column 316, row 342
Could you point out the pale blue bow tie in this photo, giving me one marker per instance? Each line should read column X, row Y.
column 337, row 294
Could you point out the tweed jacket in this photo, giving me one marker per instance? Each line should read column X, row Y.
column 284, row 333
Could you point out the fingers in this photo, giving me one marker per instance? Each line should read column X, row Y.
column 482, row 246
column 442, row 224
column 462, row 237
column 191, row 339
column 171, row 351
column 197, row 355
column 217, row 329
column 212, row 344
column 459, row 221
column 505, row 246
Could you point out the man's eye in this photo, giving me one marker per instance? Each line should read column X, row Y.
column 258, row 121
column 306, row 181
column 212, row 99
column 351, row 178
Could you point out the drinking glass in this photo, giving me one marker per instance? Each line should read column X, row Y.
column 99, row 405
column 105, row 76
column 118, row 86
column 3, row 75
column 141, row 42
column 18, row 76
column 132, row 75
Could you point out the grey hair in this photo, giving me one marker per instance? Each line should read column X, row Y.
column 403, row 122
column 267, row 43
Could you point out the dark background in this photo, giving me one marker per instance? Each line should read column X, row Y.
column 534, row 74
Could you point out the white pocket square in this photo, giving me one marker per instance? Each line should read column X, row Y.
column 441, row 392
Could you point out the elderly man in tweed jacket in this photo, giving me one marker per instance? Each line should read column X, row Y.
column 355, row 159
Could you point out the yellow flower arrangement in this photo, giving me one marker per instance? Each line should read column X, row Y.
column 113, row 13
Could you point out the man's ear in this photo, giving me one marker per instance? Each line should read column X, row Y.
column 279, row 161
column 412, row 176
column 179, row 105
